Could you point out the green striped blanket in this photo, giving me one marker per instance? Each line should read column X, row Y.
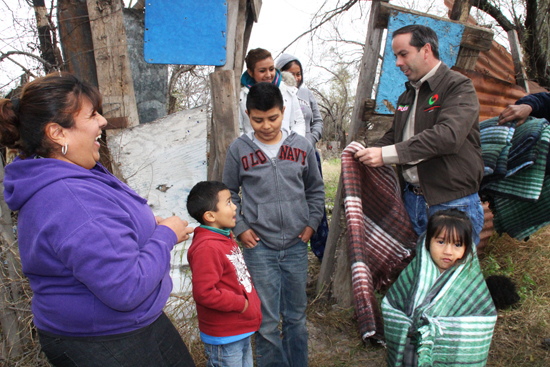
column 433, row 319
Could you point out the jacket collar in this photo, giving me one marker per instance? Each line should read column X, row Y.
column 435, row 79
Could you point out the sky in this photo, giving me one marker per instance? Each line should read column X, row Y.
column 280, row 22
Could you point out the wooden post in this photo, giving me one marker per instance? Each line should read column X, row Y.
column 461, row 11
column 365, row 85
column 225, row 107
column 76, row 40
column 515, row 49
column 113, row 65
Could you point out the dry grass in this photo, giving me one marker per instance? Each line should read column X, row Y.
column 521, row 330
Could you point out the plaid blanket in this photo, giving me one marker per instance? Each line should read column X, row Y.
column 496, row 141
column 381, row 239
column 523, row 153
column 433, row 319
column 520, row 219
column 525, row 184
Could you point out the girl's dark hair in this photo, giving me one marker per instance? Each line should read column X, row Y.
column 57, row 97
column 255, row 55
column 203, row 198
column 457, row 225
column 289, row 64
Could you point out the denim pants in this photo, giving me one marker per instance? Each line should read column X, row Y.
column 236, row 354
column 156, row 345
column 417, row 208
column 280, row 278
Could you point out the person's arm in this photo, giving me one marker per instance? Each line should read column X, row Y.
column 536, row 105
column 104, row 255
column 231, row 178
column 314, row 190
column 207, row 269
column 459, row 113
column 316, row 127
column 297, row 122
column 244, row 120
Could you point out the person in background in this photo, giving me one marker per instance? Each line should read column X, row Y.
column 434, row 140
column 228, row 307
column 96, row 257
column 314, row 132
column 536, row 105
column 261, row 68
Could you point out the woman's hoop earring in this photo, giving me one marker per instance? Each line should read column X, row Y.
column 64, row 149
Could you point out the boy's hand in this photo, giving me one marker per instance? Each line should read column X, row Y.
column 245, row 306
column 306, row 234
column 248, row 238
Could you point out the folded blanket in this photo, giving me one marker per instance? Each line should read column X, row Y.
column 521, row 219
column 433, row 319
column 496, row 141
column 526, row 184
column 380, row 235
column 523, row 153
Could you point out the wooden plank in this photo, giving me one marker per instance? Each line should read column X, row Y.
column 256, row 6
column 111, row 56
column 515, row 50
column 467, row 58
column 162, row 160
column 474, row 37
column 225, row 120
column 460, row 11
column 240, row 50
column 364, row 89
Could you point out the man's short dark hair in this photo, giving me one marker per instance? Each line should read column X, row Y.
column 263, row 97
column 420, row 35
column 203, row 198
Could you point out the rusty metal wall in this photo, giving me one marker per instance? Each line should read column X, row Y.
column 493, row 94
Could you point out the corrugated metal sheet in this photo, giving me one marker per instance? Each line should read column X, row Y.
column 493, row 94
column 497, row 62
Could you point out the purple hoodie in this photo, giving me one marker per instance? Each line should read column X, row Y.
column 96, row 260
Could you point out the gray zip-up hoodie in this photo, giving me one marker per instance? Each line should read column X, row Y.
column 280, row 197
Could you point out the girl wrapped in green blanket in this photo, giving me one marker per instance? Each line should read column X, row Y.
column 439, row 311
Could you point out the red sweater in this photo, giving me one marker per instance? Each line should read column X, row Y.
column 221, row 284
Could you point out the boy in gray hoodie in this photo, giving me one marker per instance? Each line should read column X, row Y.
column 282, row 201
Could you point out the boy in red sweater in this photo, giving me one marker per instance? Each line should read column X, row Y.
column 228, row 307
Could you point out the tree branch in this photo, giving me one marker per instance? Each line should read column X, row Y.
column 5, row 55
column 495, row 12
column 326, row 17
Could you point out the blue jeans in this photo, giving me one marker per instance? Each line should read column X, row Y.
column 280, row 278
column 417, row 208
column 236, row 354
column 156, row 345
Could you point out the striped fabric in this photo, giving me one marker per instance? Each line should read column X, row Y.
column 521, row 219
column 522, row 153
column 496, row 141
column 433, row 319
column 525, row 184
column 381, row 239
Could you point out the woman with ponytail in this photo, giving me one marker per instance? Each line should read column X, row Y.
column 96, row 257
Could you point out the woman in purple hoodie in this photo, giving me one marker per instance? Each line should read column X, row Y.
column 97, row 258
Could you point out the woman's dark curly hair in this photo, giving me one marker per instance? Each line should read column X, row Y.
column 57, row 97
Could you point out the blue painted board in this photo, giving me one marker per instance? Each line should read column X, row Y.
column 392, row 79
column 185, row 32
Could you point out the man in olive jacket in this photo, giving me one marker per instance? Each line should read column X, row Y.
column 434, row 139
